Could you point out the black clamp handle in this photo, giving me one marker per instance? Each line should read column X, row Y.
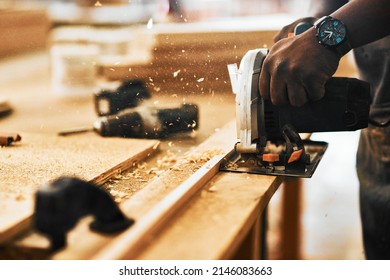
column 60, row 204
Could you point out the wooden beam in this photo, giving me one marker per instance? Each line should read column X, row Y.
column 291, row 223
column 131, row 242
column 216, row 222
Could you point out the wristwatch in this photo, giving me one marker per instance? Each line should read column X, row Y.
column 332, row 34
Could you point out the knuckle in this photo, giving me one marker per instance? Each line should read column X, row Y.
column 278, row 99
column 315, row 86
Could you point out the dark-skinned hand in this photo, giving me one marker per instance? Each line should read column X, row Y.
column 296, row 69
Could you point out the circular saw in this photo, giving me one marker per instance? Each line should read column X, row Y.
column 269, row 138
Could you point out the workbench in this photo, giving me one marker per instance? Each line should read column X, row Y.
column 226, row 213
column 224, row 219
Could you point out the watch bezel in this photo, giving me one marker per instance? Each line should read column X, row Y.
column 320, row 23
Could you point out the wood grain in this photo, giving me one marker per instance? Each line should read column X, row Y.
column 84, row 244
column 22, row 30
column 131, row 242
column 215, row 223
column 40, row 158
column 211, row 225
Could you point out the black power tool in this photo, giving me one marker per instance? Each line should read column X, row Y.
column 269, row 140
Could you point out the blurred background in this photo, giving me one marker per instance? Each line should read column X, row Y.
column 82, row 44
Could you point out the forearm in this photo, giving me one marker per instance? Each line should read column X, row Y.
column 366, row 20
column 319, row 8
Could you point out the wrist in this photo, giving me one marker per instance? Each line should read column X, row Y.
column 317, row 48
column 332, row 34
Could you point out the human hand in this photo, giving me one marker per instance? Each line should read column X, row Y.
column 296, row 69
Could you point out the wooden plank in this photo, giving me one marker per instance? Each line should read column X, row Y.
column 40, row 158
column 22, row 30
column 212, row 225
column 251, row 247
column 131, row 242
column 215, row 223
column 84, row 244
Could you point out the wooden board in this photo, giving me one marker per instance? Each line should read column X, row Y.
column 133, row 241
column 39, row 158
column 84, row 244
column 23, row 30
column 217, row 220
column 211, row 225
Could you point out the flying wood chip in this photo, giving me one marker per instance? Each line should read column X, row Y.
column 6, row 139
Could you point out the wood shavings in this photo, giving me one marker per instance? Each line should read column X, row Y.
column 142, row 165
column 156, row 171
column 194, row 124
column 167, row 160
column 176, row 73
column 203, row 156
column 118, row 195
column 20, row 197
column 149, row 25
column 152, row 170
column 232, row 165
column 175, row 168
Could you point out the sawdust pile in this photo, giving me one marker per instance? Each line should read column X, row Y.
column 174, row 170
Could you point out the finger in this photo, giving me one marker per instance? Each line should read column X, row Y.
column 296, row 94
column 283, row 33
column 264, row 84
column 315, row 90
column 278, row 93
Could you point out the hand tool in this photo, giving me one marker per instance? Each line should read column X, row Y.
column 268, row 135
column 149, row 122
column 128, row 95
column 60, row 204
column 144, row 122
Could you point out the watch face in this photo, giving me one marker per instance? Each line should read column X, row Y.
column 332, row 32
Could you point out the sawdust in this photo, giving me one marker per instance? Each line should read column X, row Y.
column 173, row 169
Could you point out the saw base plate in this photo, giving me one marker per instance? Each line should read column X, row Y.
column 235, row 162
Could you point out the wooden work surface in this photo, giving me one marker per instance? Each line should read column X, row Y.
column 212, row 225
column 229, row 201
column 38, row 159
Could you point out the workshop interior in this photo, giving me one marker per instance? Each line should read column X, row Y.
column 134, row 129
